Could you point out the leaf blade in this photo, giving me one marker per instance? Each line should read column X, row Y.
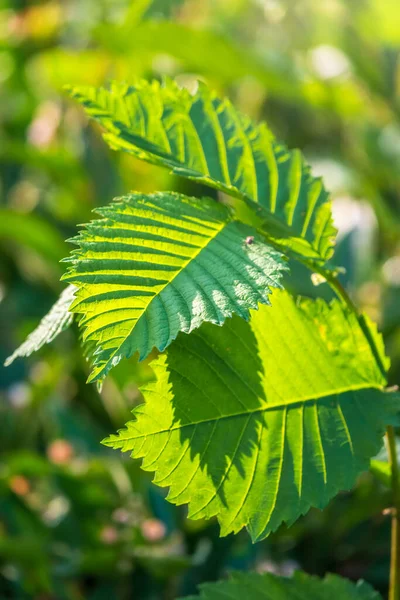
column 267, row 586
column 58, row 319
column 163, row 263
column 205, row 138
column 236, row 435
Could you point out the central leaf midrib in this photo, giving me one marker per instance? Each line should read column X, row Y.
column 146, row 308
column 260, row 409
column 230, row 189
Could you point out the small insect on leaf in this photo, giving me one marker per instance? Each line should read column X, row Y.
column 249, row 240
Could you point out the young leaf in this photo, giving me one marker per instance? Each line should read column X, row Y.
column 160, row 264
column 57, row 320
column 257, row 422
column 300, row 587
column 205, row 138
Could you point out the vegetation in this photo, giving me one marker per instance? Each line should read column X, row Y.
column 264, row 386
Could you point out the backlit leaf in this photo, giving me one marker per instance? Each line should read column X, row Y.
column 205, row 138
column 57, row 320
column 163, row 263
column 257, row 422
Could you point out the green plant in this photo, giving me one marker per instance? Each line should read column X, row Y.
column 280, row 408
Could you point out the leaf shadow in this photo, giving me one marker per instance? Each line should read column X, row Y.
column 217, row 396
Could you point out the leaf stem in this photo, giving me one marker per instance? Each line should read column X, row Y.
column 394, row 582
column 394, row 586
column 342, row 294
column 340, row 291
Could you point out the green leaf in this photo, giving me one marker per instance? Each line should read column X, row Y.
column 205, row 138
column 300, row 587
column 160, row 264
column 257, row 422
column 57, row 320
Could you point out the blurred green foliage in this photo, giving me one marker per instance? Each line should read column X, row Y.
column 78, row 521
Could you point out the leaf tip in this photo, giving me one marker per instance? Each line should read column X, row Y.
column 10, row 359
column 108, row 441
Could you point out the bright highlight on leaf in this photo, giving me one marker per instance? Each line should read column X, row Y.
column 57, row 320
column 300, row 587
column 205, row 138
column 159, row 264
column 257, row 422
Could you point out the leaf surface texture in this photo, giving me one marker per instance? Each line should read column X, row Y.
column 205, row 138
column 57, row 320
column 159, row 264
column 256, row 422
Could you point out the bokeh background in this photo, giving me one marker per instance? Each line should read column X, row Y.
column 78, row 521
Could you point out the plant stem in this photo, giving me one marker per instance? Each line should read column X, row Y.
column 340, row 291
column 394, row 587
column 346, row 299
column 394, row 583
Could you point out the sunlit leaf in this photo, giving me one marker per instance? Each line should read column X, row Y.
column 163, row 263
column 57, row 320
column 205, row 138
column 257, row 422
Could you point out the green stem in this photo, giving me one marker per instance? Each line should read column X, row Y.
column 394, row 587
column 340, row 291
column 394, row 584
column 337, row 287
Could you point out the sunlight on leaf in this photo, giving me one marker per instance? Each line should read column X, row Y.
column 257, row 422
column 57, row 320
column 163, row 263
column 205, row 138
